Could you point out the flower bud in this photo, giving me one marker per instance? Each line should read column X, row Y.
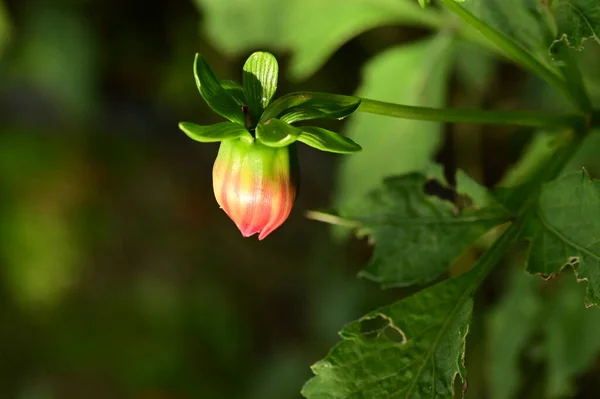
column 255, row 185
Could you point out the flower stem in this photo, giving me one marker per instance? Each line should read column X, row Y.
column 515, row 118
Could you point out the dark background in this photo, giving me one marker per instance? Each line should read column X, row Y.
column 120, row 277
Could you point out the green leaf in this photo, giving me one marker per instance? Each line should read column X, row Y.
column 304, row 113
column 402, row 75
column 311, row 29
column 236, row 91
column 413, row 348
column 326, row 140
column 217, row 98
column 261, row 72
column 275, row 133
column 408, row 226
column 571, row 345
column 576, row 21
column 511, row 325
column 213, row 133
column 521, row 21
column 301, row 106
column 565, row 231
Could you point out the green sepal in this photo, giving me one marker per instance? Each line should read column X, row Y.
column 260, row 81
column 217, row 98
column 305, row 113
column 275, row 133
column 326, row 140
column 213, row 133
column 424, row 3
column 236, row 91
column 303, row 106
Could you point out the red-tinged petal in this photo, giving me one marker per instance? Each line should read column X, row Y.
column 255, row 185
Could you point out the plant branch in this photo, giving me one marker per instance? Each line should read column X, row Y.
column 515, row 118
column 514, row 51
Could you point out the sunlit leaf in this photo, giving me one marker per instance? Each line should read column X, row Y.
column 416, row 236
column 301, row 106
column 261, row 72
column 325, row 140
column 213, row 133
column 275, row 133
column 402, row 75
column 311, row 29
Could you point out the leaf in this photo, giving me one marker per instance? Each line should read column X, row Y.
column 402, row 75
column 235, row 90
column 576, row 22
column 275, row 133
column 571, row 331
column 326, row 140
column 300, row 106
column 213, row 133
column 409, row 226
column 413, row 348
column 564, row 230
column 511, row 325
column 261, row 72
column 521, row 21
column 217, row 98
column 305, row 113
column 311, row 29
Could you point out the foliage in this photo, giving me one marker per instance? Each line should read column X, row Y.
column 475, row 188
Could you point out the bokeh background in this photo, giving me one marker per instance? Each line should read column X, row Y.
column 121, row 278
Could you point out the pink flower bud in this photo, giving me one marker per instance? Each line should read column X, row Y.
column 255, row 185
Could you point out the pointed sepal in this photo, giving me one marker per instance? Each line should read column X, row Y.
column 326, row 140
column 295, row 107
column 261, row 72
column 275, row 133
column 217, row 98
column 214, row 133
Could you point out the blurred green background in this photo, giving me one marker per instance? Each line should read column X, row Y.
column 121, row 277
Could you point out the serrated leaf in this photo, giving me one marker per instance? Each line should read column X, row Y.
column 564, row 229
column 401, row 75
column 300, row 106
column 275, row 133
column 576, row 21
column 235, row 90
column 311, row 29
column 261, row 72
column 408, row 226
column 411, row 349
column 414, row 349
column 326, row 140
column 213, row 133
column 217, row 98
column 511, row 325
column 571, row 333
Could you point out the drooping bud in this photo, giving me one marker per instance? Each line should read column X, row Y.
column 255, row 185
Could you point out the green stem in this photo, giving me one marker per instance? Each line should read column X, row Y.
column 513, row 50
column 515, row 118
